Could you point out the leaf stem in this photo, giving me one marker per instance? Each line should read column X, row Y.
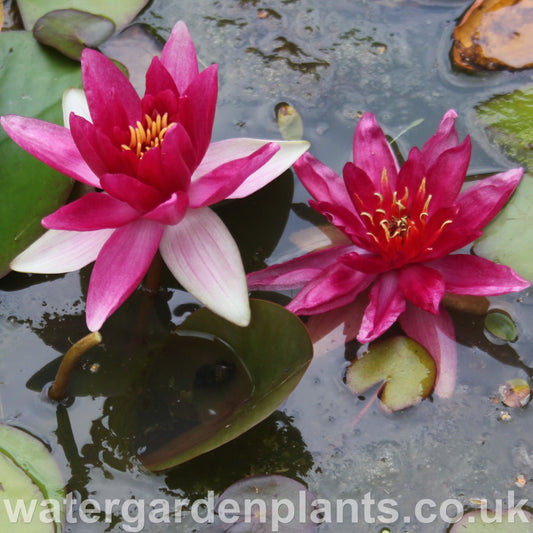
column 58, row 388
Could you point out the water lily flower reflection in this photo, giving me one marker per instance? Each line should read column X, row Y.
column 154, row 160
column 402, row 224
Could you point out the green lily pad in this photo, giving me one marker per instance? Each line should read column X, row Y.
column 501, row 325
column 121, row 12
column 30, row 189
column 274, row 363
column 486, row 521
column 29, row 474
column 69, row 31
column 508, row 238
column 405, row 368
column 507, row 120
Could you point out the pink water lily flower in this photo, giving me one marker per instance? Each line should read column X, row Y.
column 158, row 171
column 401, row 226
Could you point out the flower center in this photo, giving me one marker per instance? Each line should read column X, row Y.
column 147, row 134
column 400, row 226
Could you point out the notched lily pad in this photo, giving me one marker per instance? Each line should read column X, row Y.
column 28, row 473
column 507, row 120
column 405, row 368
column 70, row 31
column 487, row 521
column 495, row 34
column 212, row 381
column 508, row 238
column 274, row 500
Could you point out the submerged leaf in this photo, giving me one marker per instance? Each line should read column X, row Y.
column 508, row 238
column 405, row 368
column 290, row 122
column 69, row 31
column 495, row 34
column 202, row 396
column 273, row 499
column 501, row 325
column 29, row 473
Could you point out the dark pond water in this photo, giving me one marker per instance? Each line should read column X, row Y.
column 331, row 60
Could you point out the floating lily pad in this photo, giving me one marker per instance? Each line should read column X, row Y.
column 501, row 325
column 495, row 35
column 507, row 119
column 486, row 521
column 69, row 31
column 405, row 368
column 245, row 375
column 29, row 474
column 30, row 189
column 275, row 499
column 121, row 12
column 508, row 238
column 515, row 393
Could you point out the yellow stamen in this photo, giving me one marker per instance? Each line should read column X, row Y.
column 143, row 138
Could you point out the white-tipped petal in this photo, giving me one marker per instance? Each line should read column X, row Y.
column 59, row 251
column 230, row 149
column 74, row 101
column 203, row 256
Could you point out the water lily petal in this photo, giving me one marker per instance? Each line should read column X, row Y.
column 468, row 274
column 51, row 144
column 444, row 138
column 360, row 188
column 437, row 335
column 158, row 79
column 119, row 268
column 93, row 211
column 60, row 251
column 138, row 195
column 372, row 152
column 179, row 57
column 369, row 263
column 297, row 272
column 323, row 184
column 171, row 211
column 386, row 304
column 478, row 205
column 203, row 256
column 337, row 285
column 197, row 109
column 74, row 101
column 224, row 179
column 177, row 160
column 423, row 286
column 447, row 174
column 288, row 154
column 110, row 95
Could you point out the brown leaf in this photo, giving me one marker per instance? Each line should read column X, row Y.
column 495, row 34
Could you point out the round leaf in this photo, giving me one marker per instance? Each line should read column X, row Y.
column 508, row 238
column 405, row 368
column 69, row 31
column 501, row 325
column 121, row 12
column 28, row 471
column 278, row 497
column 486, row 521
column 274, row 362
column 30, row 189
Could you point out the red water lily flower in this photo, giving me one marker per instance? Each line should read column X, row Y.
column 158, row 171
column 402, row 225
